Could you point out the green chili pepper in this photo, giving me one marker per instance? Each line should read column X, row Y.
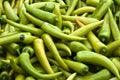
column 85, row 42
column 42, row 4
column 24, row 60
column 20, row 6
column 34, row 31
column 39, row 22
column 112, row 46
column 9, row 12
column 95, row 58
column 66, row 30
column 23, row 19
column 10, row 33
column 41, row 56
column 85, row 20
column 92, row 2
column 7, row 28
column 16, row 6
column 113, row 25
column 105, row 33
column 103, row 74
column 20, row 77
column 52, row 48
column 72, row 76
column 13, row 48
column 86, row 29
column 79, row 11
column 76, row 46
column 41, row 14
column 116, row 61
column 48, row 29
column 16, row 68
column 27, row 39
column 33, row 19
column 30, row 25
column 61, row 2
column 29, row 49
column 71, row 7
column 39, row 4
column 69, row 25
column 78, row 67
column 79, row 4
column 64, row 47
column 58, row 13
column 98, row 46
column 94, row 41
column 20, row 37
column 48, row 7
column 102, row 8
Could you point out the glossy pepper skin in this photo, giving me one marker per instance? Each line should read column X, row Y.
column 95, row 58
column 24, row 60
column 49, row 17
column 101, row 9
column 103, row 74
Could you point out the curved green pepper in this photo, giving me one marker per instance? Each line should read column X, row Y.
column 103, row 74
column 24, row 60
column 41, row 14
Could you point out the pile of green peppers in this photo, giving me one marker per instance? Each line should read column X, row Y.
column 59, row 40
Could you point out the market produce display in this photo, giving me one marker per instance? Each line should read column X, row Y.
column 59, row 39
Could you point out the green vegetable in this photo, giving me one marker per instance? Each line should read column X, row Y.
column 51, row 30
column 41, row 56
column 41, row 14
column 102, row 8
column 86, row 29
column 35, row 31
column 76, row 46
column 9, row 12
column 114, row 26
column 24, row 60
column 102, row 74
column 52, row 48
column 77, row 67
column 98, row 46
column 105, row 32
column 95, row 58
column 20, row 77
